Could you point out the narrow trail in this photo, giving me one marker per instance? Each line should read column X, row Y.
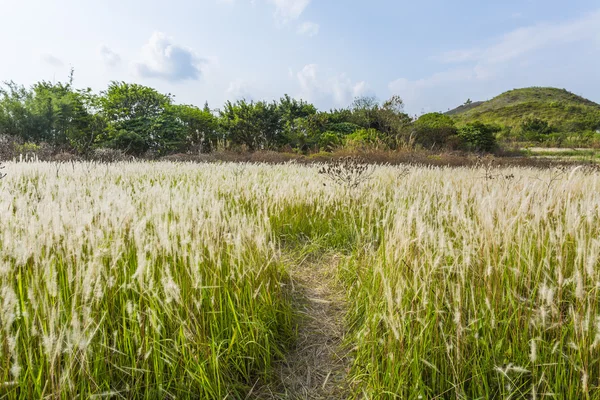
column 316, row 367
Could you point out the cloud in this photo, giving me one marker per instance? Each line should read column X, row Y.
column 309, row 29
column 525, row 56
column 289, row 10
column 338, row 89
column 109, row 57
column 527, row 39
column 239, row 90
column 52, row 60
column 163, row 59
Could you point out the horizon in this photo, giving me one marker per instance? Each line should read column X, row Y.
column 219, row 50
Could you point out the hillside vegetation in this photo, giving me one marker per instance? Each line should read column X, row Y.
column 555, row 114
column 131, row 120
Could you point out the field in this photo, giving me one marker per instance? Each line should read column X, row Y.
column 564, row 154
column 209, row 281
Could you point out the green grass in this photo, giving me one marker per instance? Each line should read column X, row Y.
column 147, row 286
column 169, row 280
column 565, row 111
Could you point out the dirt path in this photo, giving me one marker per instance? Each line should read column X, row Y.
column 316, row 367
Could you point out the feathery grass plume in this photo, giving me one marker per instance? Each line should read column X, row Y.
column 163, row 279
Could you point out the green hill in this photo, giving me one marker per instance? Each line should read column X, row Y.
column 563, row 110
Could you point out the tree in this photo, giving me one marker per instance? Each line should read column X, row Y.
column 134, row 111
column 16, row 120
column 255, row 125
column 388, row 118
column 50, row 112
column 477, row 136
column 393, row 122
column 293, row 113
column 90, row 123
column 199, row 127
column 364, row 110
column 434, row 130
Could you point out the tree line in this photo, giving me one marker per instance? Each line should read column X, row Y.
column 138, row 120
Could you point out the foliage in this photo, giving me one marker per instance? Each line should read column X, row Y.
column 137, row 114
column 364, row 138
column 434, row 130
column 478, row 136
column 329, row 140
column 139, row 120
column 254, row 124
column 535, row 129
column 567, row 113
column 199, row 128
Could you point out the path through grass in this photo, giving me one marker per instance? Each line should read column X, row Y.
column 316, row 366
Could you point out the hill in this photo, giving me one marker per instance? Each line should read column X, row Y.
column 563, row 110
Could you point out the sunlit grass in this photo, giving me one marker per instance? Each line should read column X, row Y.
column 163, row 280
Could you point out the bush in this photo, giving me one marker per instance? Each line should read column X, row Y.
column 129, row 142
column 329, row 140
column 434, row 130
column 345, row 128
column 365, row 138
column 477, row 136
column 535, row 129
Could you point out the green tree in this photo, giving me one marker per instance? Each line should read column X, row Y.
column 434, row 130
column 16, row 119
column 293, row 114
column 255, row 125
column 199, row 127
column 140, row 113
column 477, row 136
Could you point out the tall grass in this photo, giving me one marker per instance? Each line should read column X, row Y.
column 134, row 280
column 166, row 280
column 481, row 290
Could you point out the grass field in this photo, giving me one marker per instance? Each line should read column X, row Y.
column 173, row 280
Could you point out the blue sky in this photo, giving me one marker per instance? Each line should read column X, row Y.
column 434, row 54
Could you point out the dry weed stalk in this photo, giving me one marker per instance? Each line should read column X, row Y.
column 349, row 172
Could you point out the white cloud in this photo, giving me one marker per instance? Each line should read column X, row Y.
column 527, row 39
column 238, row 90
column 338, row 89
column 52, row 60
column 522, row 56
column 109, row 57
column 309, row 29
column 163, row 59
column 289, row 10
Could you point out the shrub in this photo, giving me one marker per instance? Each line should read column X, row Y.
column 535, row 129
column 365, row 138
column 477, row 136
column 345, row 128
column 129, row 142
column 329, row 140
column 434, row 130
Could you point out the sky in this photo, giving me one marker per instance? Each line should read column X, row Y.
column 434, row 54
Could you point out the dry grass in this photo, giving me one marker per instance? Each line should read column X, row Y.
column 316, row 366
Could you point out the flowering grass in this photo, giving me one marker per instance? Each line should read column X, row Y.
column 164, row 280
column 134, row 281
